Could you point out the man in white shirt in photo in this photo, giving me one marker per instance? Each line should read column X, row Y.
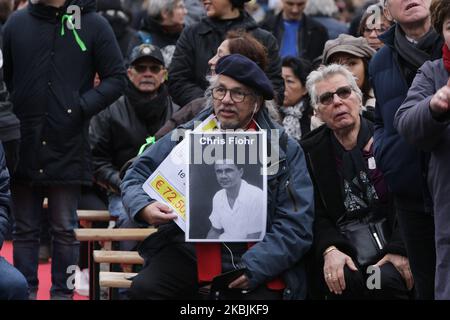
column 237, row 212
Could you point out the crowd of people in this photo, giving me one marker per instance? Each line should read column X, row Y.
column 355, row 95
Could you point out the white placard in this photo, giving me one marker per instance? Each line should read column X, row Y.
column 167, row 184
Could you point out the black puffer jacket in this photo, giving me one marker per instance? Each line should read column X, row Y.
column 198, row 43
column 51, row 81
column 117, row 133
column 311, row 38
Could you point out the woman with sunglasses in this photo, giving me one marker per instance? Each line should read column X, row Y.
column 350, row 189
column 355, row 54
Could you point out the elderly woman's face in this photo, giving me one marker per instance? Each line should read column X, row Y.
column 446, row 31
column 353, row 63
column 343, row 110
column 294, row 90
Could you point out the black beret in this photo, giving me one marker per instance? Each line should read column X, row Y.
column 247, row 72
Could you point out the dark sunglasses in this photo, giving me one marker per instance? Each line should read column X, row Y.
column 140, row 68
column 342, row 92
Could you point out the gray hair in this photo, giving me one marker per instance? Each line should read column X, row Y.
column 154, row 8
column 271, row 106
column 324, row 7
column 326, row 72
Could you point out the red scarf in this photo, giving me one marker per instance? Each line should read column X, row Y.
column 209, row 257
column 446, row 57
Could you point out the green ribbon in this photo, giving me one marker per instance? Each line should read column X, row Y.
column 148, row 142
column 75, row 33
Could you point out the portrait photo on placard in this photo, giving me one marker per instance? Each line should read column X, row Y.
column 226, row 187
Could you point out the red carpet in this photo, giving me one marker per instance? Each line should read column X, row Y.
column 44, row 274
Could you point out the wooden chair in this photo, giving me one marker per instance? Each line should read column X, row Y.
column 92, row 236
column 116, row 279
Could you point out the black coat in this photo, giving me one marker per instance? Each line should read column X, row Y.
column 9, row 123
column 125, row 35
column 329, row 203
column 311, row 38
column 152, row 32
column 51, row 84
column 198, row 43
column 116, row 135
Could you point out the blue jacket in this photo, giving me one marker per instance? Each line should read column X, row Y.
column 5, row 197
column 51, row 82
column 399, row 161
column 290, row 211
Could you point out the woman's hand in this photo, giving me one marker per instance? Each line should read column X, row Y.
column 333, row 269
column 402, row 265
column 440, row 102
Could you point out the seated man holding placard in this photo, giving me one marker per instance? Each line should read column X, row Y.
column 274, row 267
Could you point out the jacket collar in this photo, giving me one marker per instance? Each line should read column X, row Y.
column 322, row 164
column 244, row 21
column 151, row 26
column 388, row 37
column 45, row 12
column 305, row 21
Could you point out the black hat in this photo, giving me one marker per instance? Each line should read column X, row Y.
column 146, row 50
column 247, row 72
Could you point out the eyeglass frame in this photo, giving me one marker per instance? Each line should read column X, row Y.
column 331, row 97
column 245, row 94
column 378, row 31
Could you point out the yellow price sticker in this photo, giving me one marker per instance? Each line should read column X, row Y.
column 170, row 194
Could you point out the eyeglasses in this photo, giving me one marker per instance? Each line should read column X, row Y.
column 141, row 68
column 378, row 31
column 328, row 97
column 236, row 95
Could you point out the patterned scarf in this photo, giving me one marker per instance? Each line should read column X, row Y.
column 291, row 120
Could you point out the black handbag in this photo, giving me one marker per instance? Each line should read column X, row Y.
column 369, row 238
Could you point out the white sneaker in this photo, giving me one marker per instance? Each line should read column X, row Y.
column 82, row 282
